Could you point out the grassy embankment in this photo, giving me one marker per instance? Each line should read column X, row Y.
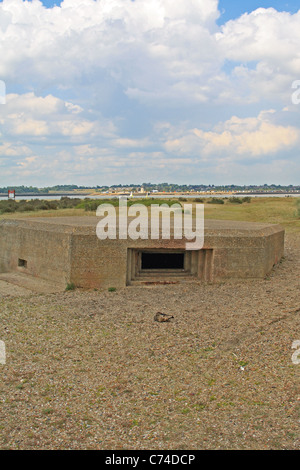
column 285, row 211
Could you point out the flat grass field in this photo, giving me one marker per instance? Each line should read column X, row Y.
column 273, row 210
column 93, row 370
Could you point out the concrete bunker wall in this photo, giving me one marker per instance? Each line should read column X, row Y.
column 69, row 251
column 97, row 263
column 235, row 254
column 245, row 257
column 38, row 250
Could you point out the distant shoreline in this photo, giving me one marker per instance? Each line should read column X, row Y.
column 158, row 194
column 46, row 194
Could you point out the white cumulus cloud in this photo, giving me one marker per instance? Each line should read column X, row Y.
column 147, row 84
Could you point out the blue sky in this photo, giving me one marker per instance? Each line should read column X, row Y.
column 231, row 9
column 102, row 92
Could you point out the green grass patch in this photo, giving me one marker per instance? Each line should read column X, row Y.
column 70, row 286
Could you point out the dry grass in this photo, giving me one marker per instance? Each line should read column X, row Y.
column 271, row 210
column 274, row 210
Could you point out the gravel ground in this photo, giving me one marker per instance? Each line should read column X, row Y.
column 93, row 370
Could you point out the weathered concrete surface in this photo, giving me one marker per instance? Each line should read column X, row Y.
column 64, row 250
column 20, row 284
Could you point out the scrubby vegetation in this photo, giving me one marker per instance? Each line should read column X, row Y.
column 11, row 206
column 285, row 211
column 239, row 200
column 87, row 204
column 92, row 204
column 216, row 200
column 198, row 199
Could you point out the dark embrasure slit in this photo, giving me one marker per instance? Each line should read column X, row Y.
column 162, row 260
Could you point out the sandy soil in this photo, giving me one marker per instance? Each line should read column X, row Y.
column 93, row 370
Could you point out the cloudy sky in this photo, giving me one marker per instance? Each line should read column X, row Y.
column 131, row 91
